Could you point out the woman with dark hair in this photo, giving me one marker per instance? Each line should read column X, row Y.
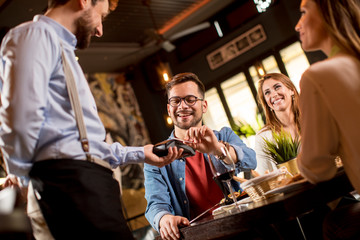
column 279, row 98
column 330, row 102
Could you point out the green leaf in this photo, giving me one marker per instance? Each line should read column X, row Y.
column 244, row 129
column 283, row 147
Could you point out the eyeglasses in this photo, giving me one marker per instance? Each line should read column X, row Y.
column 189, row 100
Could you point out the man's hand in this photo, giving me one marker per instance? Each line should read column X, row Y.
column 203, row 140
column 152, row 159
column 169, row 226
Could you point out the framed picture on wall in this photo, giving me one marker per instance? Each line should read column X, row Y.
column 256, row 36
column 216, row 59
column 242, row 45
column 236, row 47
column 230, row 51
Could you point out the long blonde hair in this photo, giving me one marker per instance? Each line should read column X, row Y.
column 342, row 21
column 272, row 122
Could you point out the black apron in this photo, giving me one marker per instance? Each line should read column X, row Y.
column 79, row 200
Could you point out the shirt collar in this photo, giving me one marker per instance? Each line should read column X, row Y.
column 62, row 32
column 172, row 135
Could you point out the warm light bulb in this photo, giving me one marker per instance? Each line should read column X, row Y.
column 169, row 120
column 165, row 77
column 261, row 72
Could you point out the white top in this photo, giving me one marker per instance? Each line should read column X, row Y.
column 330, row 105
column 263, row 160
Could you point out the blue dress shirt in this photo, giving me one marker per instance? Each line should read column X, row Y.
column 37, row 121
column 165, row 187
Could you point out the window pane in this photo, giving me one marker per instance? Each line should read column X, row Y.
column 295, row 62
column 215, row 117
column 240, row 99
column 270, row 65
column 242, row 105
column 254, row 76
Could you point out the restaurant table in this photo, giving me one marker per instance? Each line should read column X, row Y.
column 15, row 226
column 14, row 222
column 263, row 214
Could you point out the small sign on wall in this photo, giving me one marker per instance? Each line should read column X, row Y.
column 236, row 47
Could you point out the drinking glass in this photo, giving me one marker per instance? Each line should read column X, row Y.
column 223, row 172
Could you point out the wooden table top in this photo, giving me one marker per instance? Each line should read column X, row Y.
column 280, row 207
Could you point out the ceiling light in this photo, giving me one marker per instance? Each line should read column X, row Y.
column 168, row 46
column 218, row 29
column 166, row 76
column 262, row 5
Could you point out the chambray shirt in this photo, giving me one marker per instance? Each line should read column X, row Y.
column 37, row 121
column 165, row 187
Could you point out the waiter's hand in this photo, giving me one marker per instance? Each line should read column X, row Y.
column 169, row 226
column 152, row 159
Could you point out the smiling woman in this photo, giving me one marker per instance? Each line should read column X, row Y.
column 278, row 96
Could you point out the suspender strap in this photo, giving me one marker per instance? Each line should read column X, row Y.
column 75, row 104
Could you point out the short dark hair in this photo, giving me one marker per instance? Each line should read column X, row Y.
column 55, row 3
column 185, row 77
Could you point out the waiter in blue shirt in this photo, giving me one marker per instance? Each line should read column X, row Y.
column 39, row 131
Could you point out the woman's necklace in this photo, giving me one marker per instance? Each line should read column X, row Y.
column 334, row 50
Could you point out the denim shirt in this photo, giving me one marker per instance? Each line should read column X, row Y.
column 165, row 187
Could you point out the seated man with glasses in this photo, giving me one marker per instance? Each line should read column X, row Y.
column 185, row 188
column 189, row 100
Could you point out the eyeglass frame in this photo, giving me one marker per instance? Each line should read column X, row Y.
column 184, row 100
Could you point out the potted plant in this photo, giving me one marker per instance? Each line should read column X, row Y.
column 245, row 130
column 283, row 150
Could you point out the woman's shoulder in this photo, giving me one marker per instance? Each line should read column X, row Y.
column 261, row 135
column 332, row 72
column 264, row 132
column 335, row 65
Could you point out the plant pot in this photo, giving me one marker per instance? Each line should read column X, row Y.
column 291, row 166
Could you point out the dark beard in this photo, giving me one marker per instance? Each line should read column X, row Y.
column 84, row 29
column 186, row 126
